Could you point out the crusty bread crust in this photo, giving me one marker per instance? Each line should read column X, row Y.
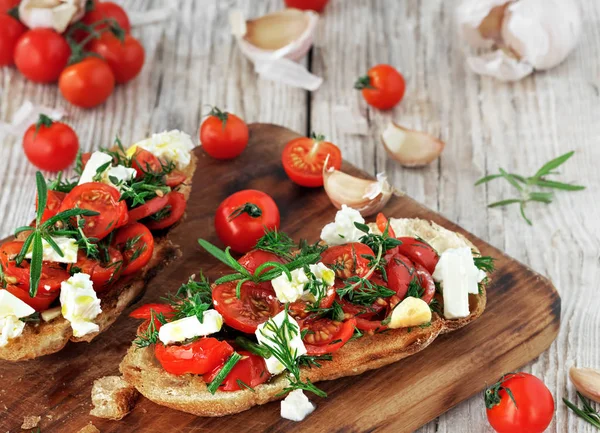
column 189, row 393
column 45, row 338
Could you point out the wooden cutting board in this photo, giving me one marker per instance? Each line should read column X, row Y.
column 521, row 320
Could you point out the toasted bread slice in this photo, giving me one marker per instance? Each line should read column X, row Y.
column 189, row 393
column 45, row 338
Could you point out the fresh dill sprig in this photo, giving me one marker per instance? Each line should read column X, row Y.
column 192, row 298
column 414, row 288
column 311, row 361
column 61, row 185
column 524, row 185
column 150, row 335
column 276, row 242
column 484, row 263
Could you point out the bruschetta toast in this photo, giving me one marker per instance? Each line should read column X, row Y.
column 288, row 317
column 95, row 264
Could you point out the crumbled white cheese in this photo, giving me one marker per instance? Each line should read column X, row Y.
column 190, row 327
column 99, row 159
column 10, row 327
column 174, row 146
column 80, row 305
column 11, row 310
column 68, row 246
column 343, row 230
column 296, row 406
column 290, row 291
column 295, row 345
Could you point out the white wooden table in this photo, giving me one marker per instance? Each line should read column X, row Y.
column 192, row 61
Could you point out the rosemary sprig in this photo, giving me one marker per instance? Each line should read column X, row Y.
column 43, row 231
column 191, row 299
column 484, row 263
column 62, row 185
column 524, row 185
column 252, row 347
column 587, row 413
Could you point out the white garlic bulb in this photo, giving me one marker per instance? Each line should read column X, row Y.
column 54, row 14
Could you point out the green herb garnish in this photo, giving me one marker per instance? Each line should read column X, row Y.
column 220, row 377
column 587, row 413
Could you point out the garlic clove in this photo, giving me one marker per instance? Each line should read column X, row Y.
column 587, row 382
column 480, row 21
column 287, row 72
column 411, row 148
column 500, row 65
column 55, row 14
column 365, row 195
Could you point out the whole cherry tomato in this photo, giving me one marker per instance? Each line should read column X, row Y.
column 528, row 408
column 125, row 58
column 303, row 159
column 6, row 5
column 88, row 83
column 104, row 10
column 223, row 135
column 315, row 5
column 241, row 219
column 41, row 55
column 383, row 87
column 10, row 32
column 50, row 145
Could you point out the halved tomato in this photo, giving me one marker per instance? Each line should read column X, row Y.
column 53, row 202
column 400, row 272
column 145, row 311
column 97, row 197
column 249, row 371
column 101, row 272
column 136, row 244
column 426, row 282
column 198, row 357
column 145, row 162
column 419, row 252
column 43, row 299
column 348, row 260
column 176, row 206
column 175, row 178
column 327, row 336
column 255, row 258
column 255, row 306
column 304, row 157
column 149, row 208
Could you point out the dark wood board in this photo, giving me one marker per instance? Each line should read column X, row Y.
column 521, row 321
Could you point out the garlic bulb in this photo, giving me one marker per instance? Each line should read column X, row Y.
column 587, row 382
column 275, row 41
column 365, row 195
column 530, row 34
column 55, row 14
column 410, row 148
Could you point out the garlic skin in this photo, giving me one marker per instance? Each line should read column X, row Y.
column 411, row 148
column 587, row 382
column 530, row 34
column 365, row 195
column 55, row 14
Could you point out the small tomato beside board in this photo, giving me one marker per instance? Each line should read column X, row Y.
column 125, row 59
column 41, row 55
column 223, row 135
column 10, row 32
column 241, row 219
column 50, row 145
column 303, row 159
column 519, row 403
column 383, row 87
column 88, row 83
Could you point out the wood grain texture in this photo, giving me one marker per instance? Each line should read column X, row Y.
column 521, row 320
column 192, row 61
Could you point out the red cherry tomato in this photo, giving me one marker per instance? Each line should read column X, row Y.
column 255, row 306
column 97, row 197
column 176, row 208
column 102, row 272
column 125, row 59
column 41, row 55
column 104, row 10
column 145, row 162
column 530, row 412
column 369, row 325
column 315, row 5
column 199, row 357
column 303, row 159
column 341, row 337
column 426, row 282
column 249, row 372
column 6, row 5
column 223, row 135
column 145, row 311
column 53, row 201
column 419, row 252
column 175, row 178
column 255, row 258
column 348, row 260
column 383, row 87
column 88, row 83
column 241, row 219
column 400, row 272
column 149, row 208
column 382, row 224
column 50, row 145
column 136, row 243
column 42, row 301
column 11, row 30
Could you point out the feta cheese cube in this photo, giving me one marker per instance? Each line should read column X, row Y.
column 99, row 159
column 190, row 327
column 68, row 246
column 10, row 327
column 296, row 288
column 174, row 146
column 80, row 305
column 296, row 406
column 11, row 310
column 343, row 230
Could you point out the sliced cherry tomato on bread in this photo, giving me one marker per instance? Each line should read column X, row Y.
column 53, row 201
column 419, row 252
column 426, row 282
column 42, row 301
column 175, row 178
column 145, row 162
column 249, row 372
column 102, row 273
column 303, row 159
column 341, row 337
column 100, row 198
column 175, row 209
column 149, row 208
column 256, row 305
column 348, row 260
column 369, row 325
column 136, row 244
column 145, row 311
column 198, row 357
column 400, row 272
